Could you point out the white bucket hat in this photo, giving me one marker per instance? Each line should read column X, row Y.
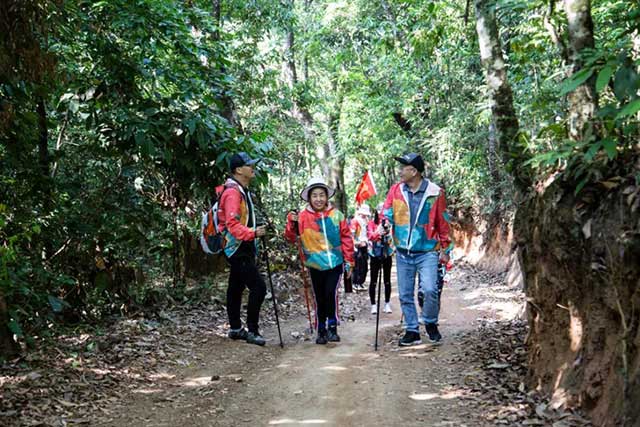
column 364, row 210
column 313, row 183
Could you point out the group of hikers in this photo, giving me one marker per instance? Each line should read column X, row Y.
column 412, row 222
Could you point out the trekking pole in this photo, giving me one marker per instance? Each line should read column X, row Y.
column 380, row 273
column 273, row 294
column 304, row 275
column 270, row 225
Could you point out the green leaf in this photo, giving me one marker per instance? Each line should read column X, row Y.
column 576, row 80
column 609, row 145
column 581, row 185
column 629, row 109
column 603, row 77
column 593, row 150
column 14, row 327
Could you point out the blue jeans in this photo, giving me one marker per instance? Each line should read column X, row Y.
column 426, row 266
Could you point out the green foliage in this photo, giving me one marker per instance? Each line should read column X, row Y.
column 139, row 99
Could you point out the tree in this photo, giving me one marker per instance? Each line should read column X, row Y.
column 500, row 94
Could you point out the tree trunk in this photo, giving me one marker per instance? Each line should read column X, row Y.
column 8, row 347
column 336, row 173
column 229, row 110
column 583, row 102
column 300, row 112
column 500, row 94
column 43, row 153
column 493, row 158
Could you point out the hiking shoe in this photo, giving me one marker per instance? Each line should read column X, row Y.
column 410, row 338
column 333, row 334
column 374, row 309
column 432, row 331
column 238, row 334
column 255, row 338
column 322, row 336
column 387, row 307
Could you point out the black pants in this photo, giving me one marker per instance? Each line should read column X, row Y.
column 362, row 266
column 244, row 273
column 325, row 287
column 376, row 264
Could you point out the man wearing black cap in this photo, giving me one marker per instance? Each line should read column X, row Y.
column 237, row 220
column 415, row 208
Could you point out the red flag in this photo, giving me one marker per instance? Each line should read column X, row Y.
column 366, row 189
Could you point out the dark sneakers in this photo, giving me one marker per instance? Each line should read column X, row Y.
column 432, row 331
column 238, row 334
column 333, row 334
column 255, row 338
column 410, row 338
column 322, row 336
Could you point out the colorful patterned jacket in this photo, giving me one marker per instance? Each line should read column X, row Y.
column 359, row 231
column 325, row 237
column 233, row 217
column 376, row 242
column 430, row 231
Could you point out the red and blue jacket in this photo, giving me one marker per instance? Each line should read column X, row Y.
column 233, row 217
column 325, row 237
column 430, row 230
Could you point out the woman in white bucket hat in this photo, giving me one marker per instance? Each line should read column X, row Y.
column 327, row 249
column 359, row 228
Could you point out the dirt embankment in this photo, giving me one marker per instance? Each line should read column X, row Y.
column 581, row 262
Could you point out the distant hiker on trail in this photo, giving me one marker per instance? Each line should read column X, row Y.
column 348, row 279
column 327, row 249
column 380, row 252
column 237, row 221
column 361, row 242
column 416, row 209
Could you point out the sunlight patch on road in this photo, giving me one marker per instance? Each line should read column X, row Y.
column 446, row 395
column 334, row 368
column 424, row 396
column 162, row 376
column 290, row 421
column 196, row 382
column 147, row 390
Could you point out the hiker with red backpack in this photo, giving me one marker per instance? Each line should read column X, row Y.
column 240, row 233
column 327, row 248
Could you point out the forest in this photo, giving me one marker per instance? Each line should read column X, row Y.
column 118, row 118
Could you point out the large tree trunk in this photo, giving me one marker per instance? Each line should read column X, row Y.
column 583, row 101
column 8, row 347
column 500, row 95
column 299, row 112
column 229, row 110
column 336, row 173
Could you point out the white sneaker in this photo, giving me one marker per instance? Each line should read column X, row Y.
column 387, row 308
column 374, row 309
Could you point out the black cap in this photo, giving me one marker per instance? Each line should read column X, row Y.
column 412, row 159
column 241, row 159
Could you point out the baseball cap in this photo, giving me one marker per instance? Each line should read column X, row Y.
column 241, row 159
column 412, row 159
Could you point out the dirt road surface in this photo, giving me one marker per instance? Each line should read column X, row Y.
column 228, row 383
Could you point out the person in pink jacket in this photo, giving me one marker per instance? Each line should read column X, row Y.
column 327, row 248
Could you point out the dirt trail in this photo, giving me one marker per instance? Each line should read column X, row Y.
column 345, row 384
